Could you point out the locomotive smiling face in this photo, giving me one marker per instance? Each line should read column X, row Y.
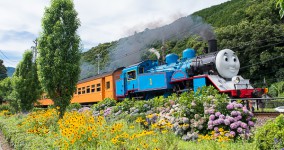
column 227, row 63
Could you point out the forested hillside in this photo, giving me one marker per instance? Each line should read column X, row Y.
column 251, row 28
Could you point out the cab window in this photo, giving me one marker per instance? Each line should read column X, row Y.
column 141, row 70
column 131, row 75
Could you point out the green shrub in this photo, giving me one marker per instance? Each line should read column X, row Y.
column 102, row 105
column 271, row 135
column 6, row 107
column 72, row 106
column 274, row 103
column 126, row 104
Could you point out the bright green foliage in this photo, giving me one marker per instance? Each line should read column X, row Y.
column 3, row 70
column 25, row 83
column 74, row 106
column 277, row 89
column 107, row 102
column 125, row 105
column 271, row 135
column 59, row 52
column 5, row 89
column 280, row 4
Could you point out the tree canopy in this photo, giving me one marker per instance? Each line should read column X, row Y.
column 58, row 62
column 25, row 83
column 3, row 70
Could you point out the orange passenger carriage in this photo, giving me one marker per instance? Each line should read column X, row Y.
column 91, row 90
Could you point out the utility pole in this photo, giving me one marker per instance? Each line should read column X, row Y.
column 99, row 57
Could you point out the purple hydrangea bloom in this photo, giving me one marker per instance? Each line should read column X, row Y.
column 222, row 116
column 210, row 122
column 239, row 123
column 212, row 117
column 236, row 119
column 239, row 117
column 239, row 105
column 211, row 111
column 227, row 121
column 216, row 122
column 217, row 114
column 231, row 119
column 248, row 119
column 239, row 113
column 239, row 130
column 230, row 106
column 250, row 123
column 245, row 111
column 233, row 126
column 234, row 113
column 250, row 114
column 221, row 121
column 233, row 133
column 210, row 127
column 216, row 129
column 244, row 125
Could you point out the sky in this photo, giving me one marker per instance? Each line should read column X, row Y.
column 101, row 21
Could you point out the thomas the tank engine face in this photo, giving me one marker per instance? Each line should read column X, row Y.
column 227, row 63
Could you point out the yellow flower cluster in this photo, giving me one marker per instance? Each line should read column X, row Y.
column 219, row 137
column 39, row 122
column 5, row 113
column 84, row 131
column 78, row 127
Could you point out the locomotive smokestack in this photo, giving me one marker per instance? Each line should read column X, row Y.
column 212, row 44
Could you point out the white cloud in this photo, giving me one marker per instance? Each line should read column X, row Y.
column 101, row 21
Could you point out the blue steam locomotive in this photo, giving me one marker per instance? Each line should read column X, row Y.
column 220, row 69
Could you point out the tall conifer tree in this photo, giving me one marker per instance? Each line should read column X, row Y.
column 26, row 84
column 59, row 54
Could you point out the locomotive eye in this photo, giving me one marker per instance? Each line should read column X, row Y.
column 235, row 59
column 226, row 58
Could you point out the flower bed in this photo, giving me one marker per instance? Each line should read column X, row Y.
column 191, row 120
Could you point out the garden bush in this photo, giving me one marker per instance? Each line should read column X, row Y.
column 108, row 102
column 73, row 106
column 271, row 134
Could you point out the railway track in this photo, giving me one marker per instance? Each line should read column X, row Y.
column 267, row 114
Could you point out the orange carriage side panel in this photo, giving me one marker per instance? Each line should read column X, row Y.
column 45, row 102
column 88, row 92
column 115, row 76
column 109, row 87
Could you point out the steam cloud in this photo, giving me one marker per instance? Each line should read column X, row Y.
column 129, row 50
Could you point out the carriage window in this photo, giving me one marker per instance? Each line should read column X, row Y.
column 131, row 75
column 75, row 91
column 88, row 89
column 83, row 90
column 93, row 88
column 98, row 87
column 107, row 85
column 79, row 91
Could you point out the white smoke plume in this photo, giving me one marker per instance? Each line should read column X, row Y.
column 153, row 50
